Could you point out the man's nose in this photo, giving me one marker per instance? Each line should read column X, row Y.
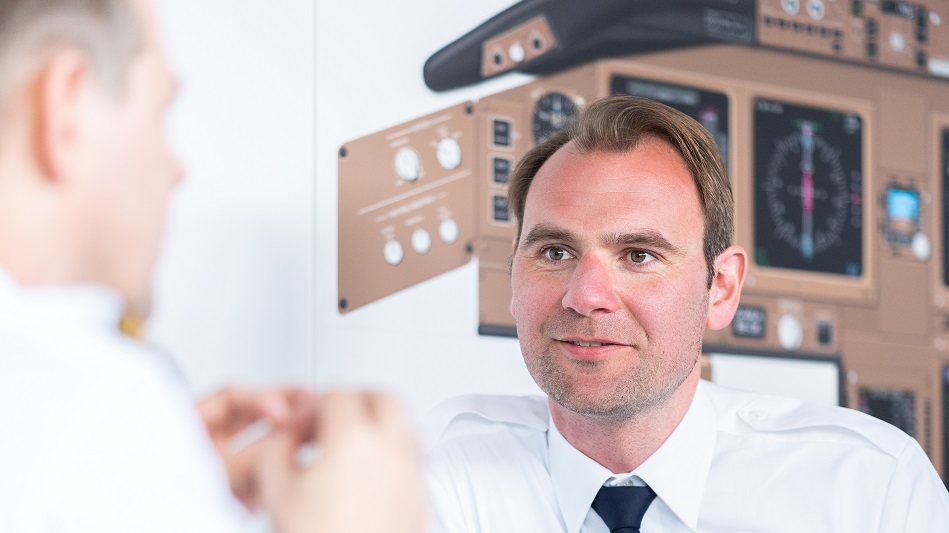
column 590, row 290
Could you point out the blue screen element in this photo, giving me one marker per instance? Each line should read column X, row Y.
column 902, row 205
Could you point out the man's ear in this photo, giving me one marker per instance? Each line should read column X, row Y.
column 57, row 99
column 723, row 296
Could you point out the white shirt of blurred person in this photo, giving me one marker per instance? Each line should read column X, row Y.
column 617, row 271
column 99, row 433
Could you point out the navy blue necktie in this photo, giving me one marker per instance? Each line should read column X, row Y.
column 622, row 508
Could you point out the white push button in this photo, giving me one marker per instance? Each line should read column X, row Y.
column 421, row 241
column 921, row 246
column 448, row 153
column 516, row 52
column 790, row 332
column 815, row 8
column 393, row 252
column 791, row 6
column 408, row 166
column 448, row 231
column 897, row 41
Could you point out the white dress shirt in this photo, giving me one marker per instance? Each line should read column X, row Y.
column 737, row 462
column 97, row 432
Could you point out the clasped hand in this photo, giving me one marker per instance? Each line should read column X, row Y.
column 365, row 475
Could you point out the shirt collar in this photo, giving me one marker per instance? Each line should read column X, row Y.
column 677, row 471
column 57, row 306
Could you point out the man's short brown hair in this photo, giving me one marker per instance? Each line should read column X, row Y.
column 619, row 124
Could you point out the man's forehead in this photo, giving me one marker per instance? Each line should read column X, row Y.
column 653, row 164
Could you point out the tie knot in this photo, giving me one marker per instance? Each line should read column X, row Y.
column 622, row 508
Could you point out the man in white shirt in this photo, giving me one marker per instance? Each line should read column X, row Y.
column 97, row 431
column 623, row 257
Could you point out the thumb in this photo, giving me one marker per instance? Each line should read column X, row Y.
column 276, row 466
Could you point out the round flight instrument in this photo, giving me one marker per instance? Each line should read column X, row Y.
column 808, row 188
column 553, row 111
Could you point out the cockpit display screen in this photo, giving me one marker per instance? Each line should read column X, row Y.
column 808, row 165
column 896, row 407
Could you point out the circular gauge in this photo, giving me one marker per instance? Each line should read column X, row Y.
column 552, row 112
column 808, row 212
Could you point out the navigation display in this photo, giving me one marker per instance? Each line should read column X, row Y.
column 808, row 188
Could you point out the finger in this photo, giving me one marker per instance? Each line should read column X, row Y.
column 386, row 410
column 242, row 470
column 392, row 424
column 299, row 406
column 230, row 409
column 275, row 467
column 339, row 414
column 280, row 404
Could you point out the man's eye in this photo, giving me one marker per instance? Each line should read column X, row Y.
column 638, row 256
column 556, row 254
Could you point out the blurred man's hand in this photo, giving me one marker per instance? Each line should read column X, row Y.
column 365, row 474
column 229, row 411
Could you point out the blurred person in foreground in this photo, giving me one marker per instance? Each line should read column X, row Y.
column 99, row 433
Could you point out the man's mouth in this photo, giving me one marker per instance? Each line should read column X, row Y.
column 588, row 344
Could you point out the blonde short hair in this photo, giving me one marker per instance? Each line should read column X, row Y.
column 107, row 31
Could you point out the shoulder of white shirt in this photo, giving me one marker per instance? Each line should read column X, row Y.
column 737, row 411
column 779, row 416
column 484, row 412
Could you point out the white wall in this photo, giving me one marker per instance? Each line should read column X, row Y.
column 246, row 290
column 234, row 287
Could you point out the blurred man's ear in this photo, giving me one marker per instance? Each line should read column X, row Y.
column 730, row 267
column 56, row 100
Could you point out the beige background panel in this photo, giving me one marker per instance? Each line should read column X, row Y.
column 518, row 45
column 861, row 31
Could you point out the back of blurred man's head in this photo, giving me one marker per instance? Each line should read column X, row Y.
column 85, row 173
column 108, row 31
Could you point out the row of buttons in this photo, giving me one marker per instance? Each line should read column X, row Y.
column 408, row 164
column 448, row 232
column 501, row 166
column 815, row 8
column 750, row 322
column 516, row 51
column 799, row 26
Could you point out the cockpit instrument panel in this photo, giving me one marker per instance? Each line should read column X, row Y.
column 897, row 407
column 553, row 112
column 944, row 175
column 808, row 177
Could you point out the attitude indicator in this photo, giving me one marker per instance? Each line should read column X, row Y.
column 808, row 188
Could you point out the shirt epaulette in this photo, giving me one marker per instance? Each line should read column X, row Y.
column 484, row 409
column 775, row 414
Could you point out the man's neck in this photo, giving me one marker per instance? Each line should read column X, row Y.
column 621, row 446
column 36, row 244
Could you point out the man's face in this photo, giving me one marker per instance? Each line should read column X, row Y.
column 129, row 171
column 609, row 279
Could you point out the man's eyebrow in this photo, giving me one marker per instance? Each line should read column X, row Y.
column 647, row 239
column 545, row 233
